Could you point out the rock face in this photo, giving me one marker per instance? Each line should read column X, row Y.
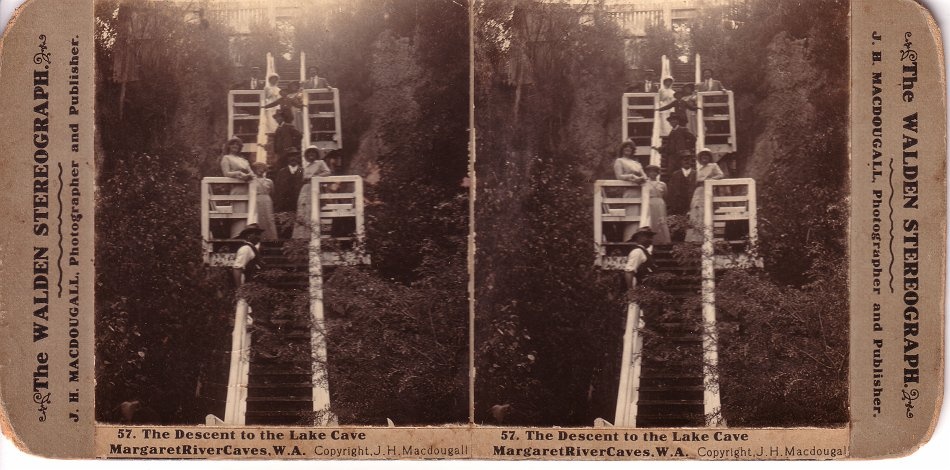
column 395, row 75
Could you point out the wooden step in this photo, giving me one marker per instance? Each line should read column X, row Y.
column 670, row 401
column 671, row 393
column 295, row 389
column 278, row 417
column 271, row 404
column 653, row 420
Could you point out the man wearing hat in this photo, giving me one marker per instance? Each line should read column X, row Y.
column 649, row 82
column 246, row 263
column 286, row 136
column 681, row 186
column 679, row 143
column 639, row 261
column 287, row 184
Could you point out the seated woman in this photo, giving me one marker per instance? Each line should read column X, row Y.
column 265, row 205
column 234, row 165
column 707, row 171
column 313, row 166
column 627, row 168
column 657, row 205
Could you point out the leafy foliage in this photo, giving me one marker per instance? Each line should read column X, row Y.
column 547, row 323
column 783, row 350
column 544, row 316
column 790, row 73
column 397, row 331
column 158, row 308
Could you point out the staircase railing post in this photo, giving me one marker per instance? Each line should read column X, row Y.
column 699, row 69
column 753, row 216
column 645, row 206
column 655, row 140
column 251, row 202
column 338, row 135
column 305, row 125
column 700, row 122
column 712, row 407
column 205, row 221
column 600, row 252
column 359, row 211
column 732, row 122
column 318, row 345
column 625, row 117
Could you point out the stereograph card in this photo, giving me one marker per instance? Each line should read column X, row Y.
column 472, row 229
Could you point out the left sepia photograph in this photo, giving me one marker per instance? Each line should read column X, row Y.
column 282, row 212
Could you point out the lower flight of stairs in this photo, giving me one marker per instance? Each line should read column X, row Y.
column 280, row 387
column 671, row 376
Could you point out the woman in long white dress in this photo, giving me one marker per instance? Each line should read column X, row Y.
column 707, row 171
column 657, row 205
column 627, row 168
column 665, row 96
column 271, row 94
column 234, row 165
column 313, row 166
column 265, row 205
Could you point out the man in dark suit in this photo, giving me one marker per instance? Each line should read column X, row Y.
column 681, row 186
column 286, row 136
column 679, row 143
column 287, row 184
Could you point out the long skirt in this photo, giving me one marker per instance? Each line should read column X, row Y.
column 665, row 126
column 265, row 216
column 658, row 221
column 237, row 225
column 631, row 210
column 696, row 225
column 302, row 228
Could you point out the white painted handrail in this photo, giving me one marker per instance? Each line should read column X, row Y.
column 318, row 342
column 236, row 406
column 712, row 407
column 628, row 393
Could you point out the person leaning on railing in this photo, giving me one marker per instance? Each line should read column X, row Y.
column 234, row 165
column 627, row 168
column 709, row 83
column 708, row 170
column 314, row 166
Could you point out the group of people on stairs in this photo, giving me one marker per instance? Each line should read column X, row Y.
column 287, row 193
column 682, row 195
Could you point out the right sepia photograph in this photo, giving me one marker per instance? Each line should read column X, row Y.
column 661, row 213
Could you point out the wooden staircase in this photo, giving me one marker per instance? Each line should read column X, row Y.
column 280, row 385
column 671, row 377
column 289, row 70
column 683, row 73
